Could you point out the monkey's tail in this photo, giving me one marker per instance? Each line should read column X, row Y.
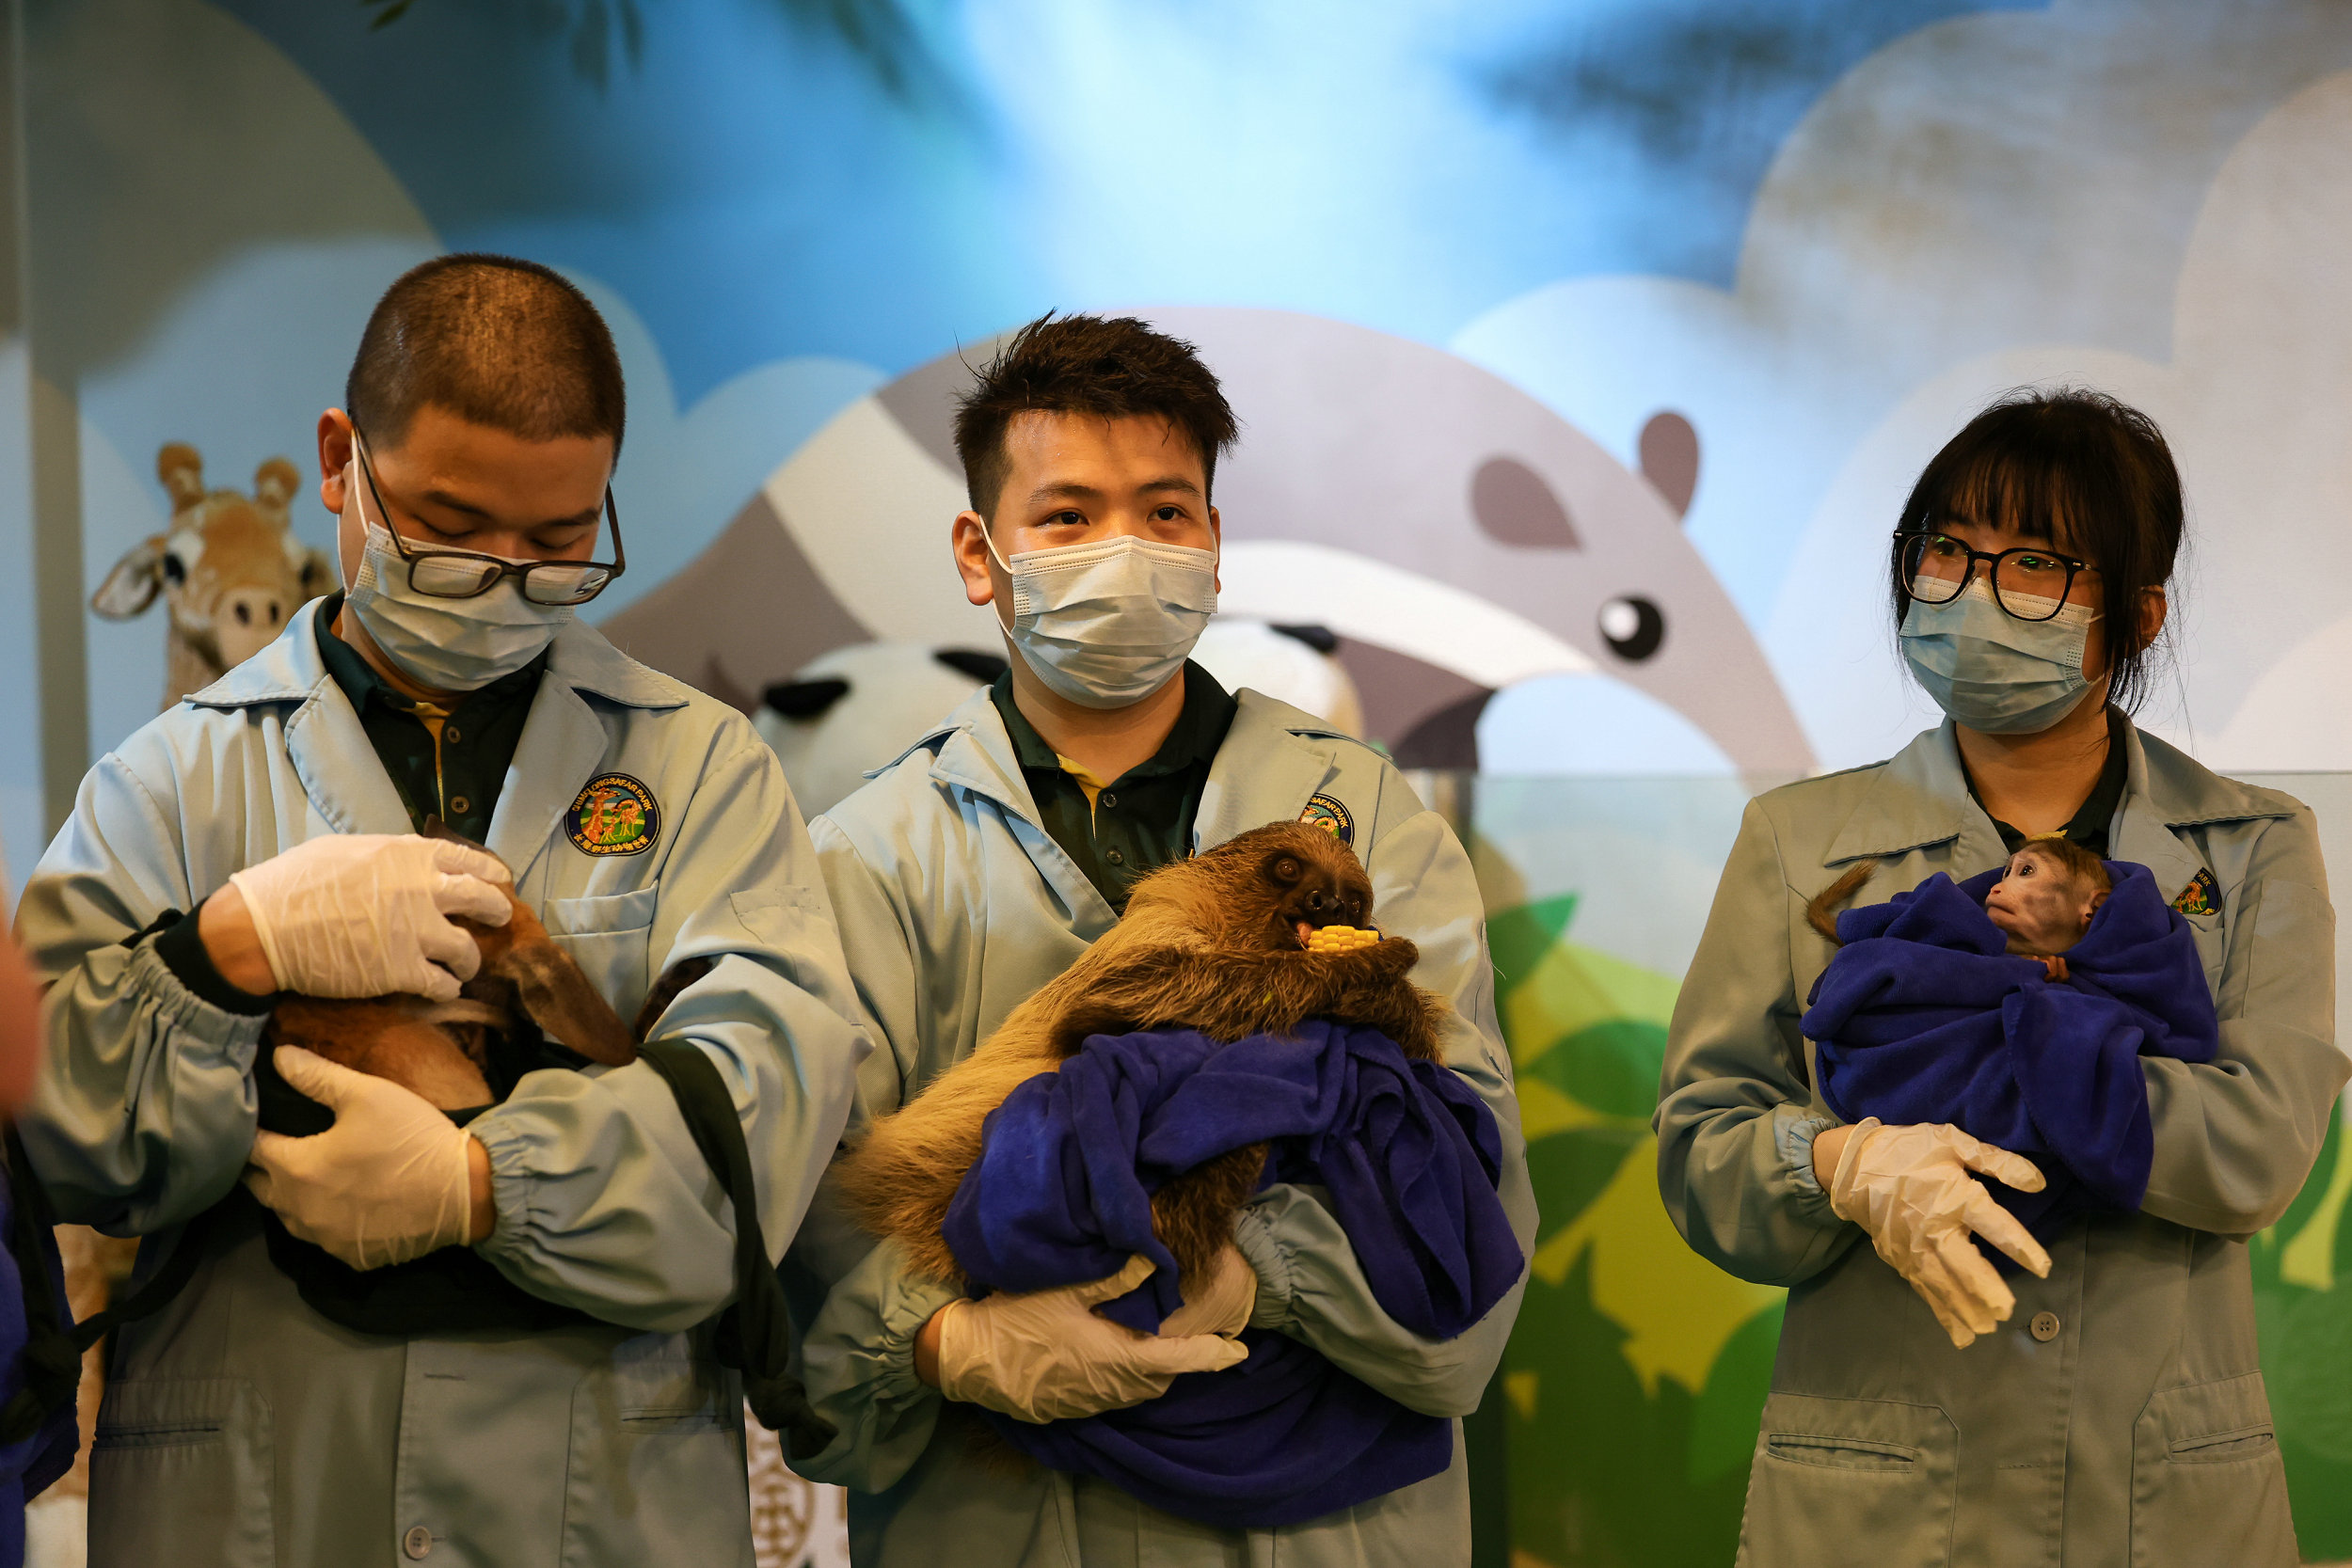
column 1822, row 913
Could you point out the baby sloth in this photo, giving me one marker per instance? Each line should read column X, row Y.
column 443, row 1050
column 1243, row 940
column 2043, row 902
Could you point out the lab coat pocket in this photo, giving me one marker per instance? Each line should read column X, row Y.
column 2207, row 1484
column 1849, row 1481
column 657, row 1459
column 609, row 937
column 181, row 1471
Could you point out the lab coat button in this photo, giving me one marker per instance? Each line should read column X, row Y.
column 2044, row 1326
column 418, row 1543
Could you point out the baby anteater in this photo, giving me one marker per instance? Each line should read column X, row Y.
column 1220, row 942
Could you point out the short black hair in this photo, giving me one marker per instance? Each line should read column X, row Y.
column 494, row 340
column 1111, row 368
column 2087, row 472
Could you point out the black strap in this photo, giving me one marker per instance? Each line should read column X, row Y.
column 53, row 1362
column 53, row 1349
column 755, row 1333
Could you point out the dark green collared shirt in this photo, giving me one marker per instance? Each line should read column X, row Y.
column 456, row 774
column 2091, row 821
column 1142, row 819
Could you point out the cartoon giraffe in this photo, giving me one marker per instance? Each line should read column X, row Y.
column 230, row 570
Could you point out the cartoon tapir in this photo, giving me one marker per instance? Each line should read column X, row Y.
column 1457, row 534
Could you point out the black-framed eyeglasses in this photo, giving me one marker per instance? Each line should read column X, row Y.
column 2029, row 585
column 470, row 574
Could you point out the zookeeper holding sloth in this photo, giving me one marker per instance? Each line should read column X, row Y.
column 260, row 837
column 1923, row 1408
column 988, row 858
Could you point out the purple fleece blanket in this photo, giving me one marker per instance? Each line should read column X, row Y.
column 29, row 1464
column 1922, row 1017
column 1408, row 1158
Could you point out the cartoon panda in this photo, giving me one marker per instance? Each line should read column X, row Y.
column 853, row 709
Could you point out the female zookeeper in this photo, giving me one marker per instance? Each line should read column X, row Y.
column 2113, row 1412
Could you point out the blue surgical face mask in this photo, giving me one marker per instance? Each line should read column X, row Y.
column 1106, row 624
column 1993, row 671
column 442, row 644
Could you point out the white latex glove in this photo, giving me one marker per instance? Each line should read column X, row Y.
column 366, row 914
column 1219, row 1302
column 388, row 1182
column 1047, row 1356
column 1913, row 1190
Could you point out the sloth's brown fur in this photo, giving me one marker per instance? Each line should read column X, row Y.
column 1211, row 943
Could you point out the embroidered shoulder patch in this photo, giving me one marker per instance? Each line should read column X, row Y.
column 2202, row 896
column 1332, row 817
column 613, row 814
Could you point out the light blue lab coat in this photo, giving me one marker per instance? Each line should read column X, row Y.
column 955, row 906
column 242, row 1429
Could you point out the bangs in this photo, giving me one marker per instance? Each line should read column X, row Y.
column 2032, row 494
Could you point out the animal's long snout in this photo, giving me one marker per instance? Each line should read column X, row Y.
column 1321, row 906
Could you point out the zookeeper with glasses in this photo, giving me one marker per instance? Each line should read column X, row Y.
column 401, row 1338
column 2095, row 1399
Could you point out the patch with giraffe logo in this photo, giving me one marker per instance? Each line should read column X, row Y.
column 2202, row 896
column 613, row 814
column 1333, row 818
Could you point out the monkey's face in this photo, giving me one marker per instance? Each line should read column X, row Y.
column 2037, row 903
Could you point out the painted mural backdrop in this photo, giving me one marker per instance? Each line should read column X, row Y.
column 1583, row 349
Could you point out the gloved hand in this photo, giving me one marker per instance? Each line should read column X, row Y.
column 1216, row 1302
column 1047, row 1355
column 388, row 1182
column 1911, row 1189
column 366, row 914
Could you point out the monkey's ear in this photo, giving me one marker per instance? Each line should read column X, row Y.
column 2093, row 907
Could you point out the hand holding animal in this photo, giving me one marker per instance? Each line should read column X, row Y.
column 1243, row 1024
column 416, row 957
column 1224, row 942
column 1946, row 1005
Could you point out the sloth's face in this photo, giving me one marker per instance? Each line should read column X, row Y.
column 1267, row 890
column 1311, row 885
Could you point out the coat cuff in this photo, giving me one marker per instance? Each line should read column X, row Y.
column 1278, row 1285
column 513, row 1186
column 183, row 1010
column 858, row 1358
column 183, row 951
column 1795, row 1134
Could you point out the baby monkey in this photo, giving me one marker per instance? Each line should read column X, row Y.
column 2043, row 902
